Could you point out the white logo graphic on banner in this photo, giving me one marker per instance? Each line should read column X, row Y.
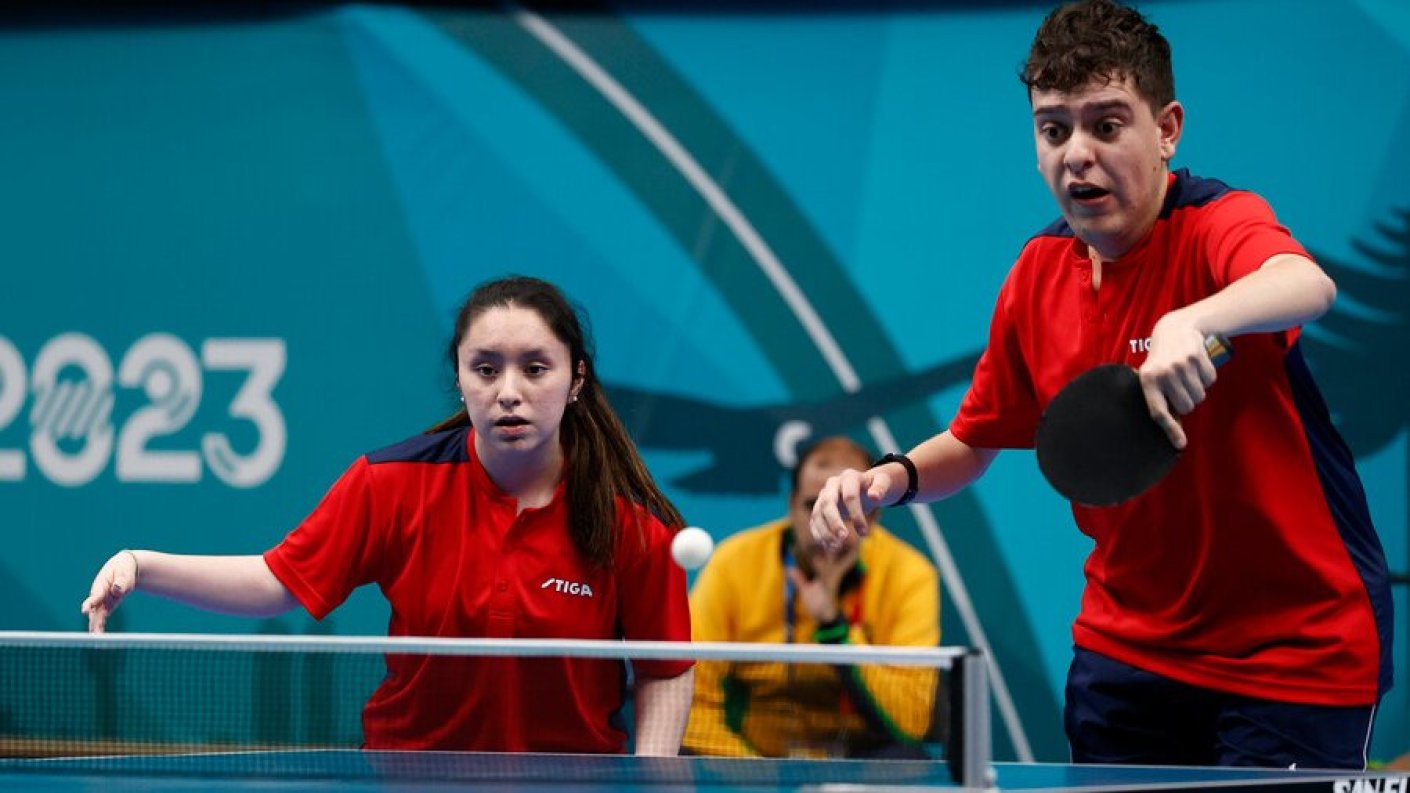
column 71, row 388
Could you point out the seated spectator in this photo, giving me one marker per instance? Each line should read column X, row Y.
column 775, row 583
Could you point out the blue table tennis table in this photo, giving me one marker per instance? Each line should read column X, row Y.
column 356, row 772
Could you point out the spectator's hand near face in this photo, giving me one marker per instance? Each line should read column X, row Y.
column 818, row 592
column 820, row 567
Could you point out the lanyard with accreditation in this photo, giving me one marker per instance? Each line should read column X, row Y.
column 790, row 613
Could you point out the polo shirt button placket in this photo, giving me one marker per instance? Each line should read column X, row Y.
column 1089, row 298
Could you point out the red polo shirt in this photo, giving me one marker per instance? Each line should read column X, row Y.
column 1253, row 568
column 425, row 523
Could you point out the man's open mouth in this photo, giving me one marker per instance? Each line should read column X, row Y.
column 1086, row 192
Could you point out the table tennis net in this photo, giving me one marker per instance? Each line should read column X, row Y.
column 75, row 695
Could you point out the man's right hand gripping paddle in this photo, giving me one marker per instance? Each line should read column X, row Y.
column 1097, row 443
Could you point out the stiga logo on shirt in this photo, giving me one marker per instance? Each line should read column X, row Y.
column 570, row 587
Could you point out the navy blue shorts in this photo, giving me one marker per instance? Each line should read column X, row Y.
column 1120, row 714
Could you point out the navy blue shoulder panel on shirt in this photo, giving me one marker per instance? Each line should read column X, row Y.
column 438, row 447
column 1192, row 191
column 1058, row 228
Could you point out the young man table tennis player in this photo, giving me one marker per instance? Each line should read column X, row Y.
column 1238, row 613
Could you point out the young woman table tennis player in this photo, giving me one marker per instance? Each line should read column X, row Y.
column 527, row 514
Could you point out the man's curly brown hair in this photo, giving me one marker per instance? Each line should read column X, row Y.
column 1100, row 40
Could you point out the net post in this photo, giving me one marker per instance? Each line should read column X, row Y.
column 970, row 752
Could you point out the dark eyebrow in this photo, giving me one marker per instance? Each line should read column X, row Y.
column 1107, row 106
column 1094, row 108
column 524, row 355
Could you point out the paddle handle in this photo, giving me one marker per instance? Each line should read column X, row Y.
column 1219, row 349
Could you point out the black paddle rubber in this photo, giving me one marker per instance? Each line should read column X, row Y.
column 1097, row 443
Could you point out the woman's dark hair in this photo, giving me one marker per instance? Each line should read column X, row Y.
column 602, row 461
column 1100, row 40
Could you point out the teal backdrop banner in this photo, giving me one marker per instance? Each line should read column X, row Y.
column 233, row 245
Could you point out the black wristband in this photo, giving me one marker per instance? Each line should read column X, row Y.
column 912, row 478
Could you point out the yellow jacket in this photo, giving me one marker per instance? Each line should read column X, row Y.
column 751, row 709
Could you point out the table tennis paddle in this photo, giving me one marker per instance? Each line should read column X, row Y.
column 1097, row 443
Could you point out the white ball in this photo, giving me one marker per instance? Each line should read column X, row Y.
column 692, row 547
